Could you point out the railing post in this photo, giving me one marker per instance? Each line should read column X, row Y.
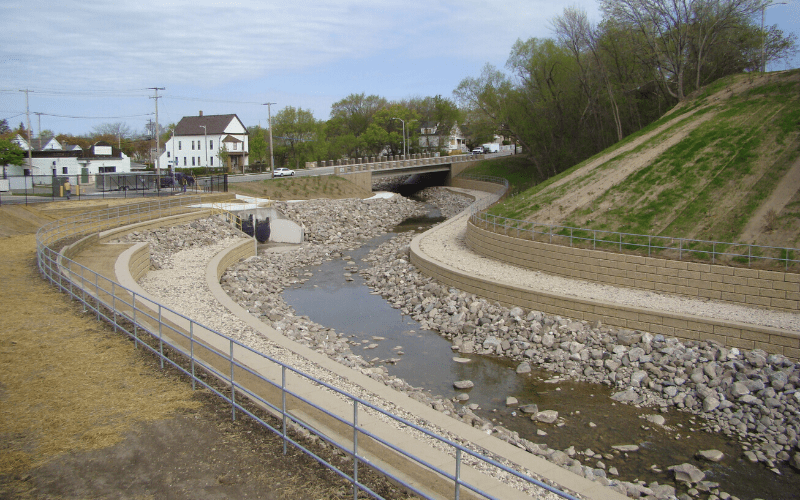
column 135, row 325
column 233, row 388
column 283, row 405
column 594, row 240
column 749, row 254
column 680, row 249
column 83, row 289
column 649, row 244
column 191, row 352
column 570, row 237
column 355, row 449
column 160, row 338
column 97, row 295
column 458, row 473
column 114, row 304
column 713, row 253
column 620, row 242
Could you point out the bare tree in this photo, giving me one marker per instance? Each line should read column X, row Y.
column 671, row 27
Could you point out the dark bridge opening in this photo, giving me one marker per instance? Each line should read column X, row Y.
column 410, row 185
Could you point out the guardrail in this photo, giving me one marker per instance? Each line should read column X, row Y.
column 200, row 353
column 666, row 247
column 410, row 162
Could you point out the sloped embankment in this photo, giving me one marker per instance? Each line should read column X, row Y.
column 714, row 168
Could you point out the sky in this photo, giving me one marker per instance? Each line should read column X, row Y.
column 90, row 62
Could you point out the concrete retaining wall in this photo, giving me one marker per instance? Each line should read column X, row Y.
column 751, row 287
column 741, row 335
column 139, row 261
column 234, row 254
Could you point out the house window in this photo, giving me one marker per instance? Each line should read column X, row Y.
column 210, row 144
column 179, row 145
column 107, row 170
column 64, row 170
column 212, row 161
column 193, row 161
column 167, row 154
column 235, row 146
column 184, row 161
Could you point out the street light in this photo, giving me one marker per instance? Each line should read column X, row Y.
column 205, row 143
column 764, row 35
column 405, row 151
column 269, row 124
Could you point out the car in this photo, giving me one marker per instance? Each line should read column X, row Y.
column 282, row 172
column 478, row 150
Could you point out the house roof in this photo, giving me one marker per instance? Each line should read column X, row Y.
column 230, row 138
column 215, row 124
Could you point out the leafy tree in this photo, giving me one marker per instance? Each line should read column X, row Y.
column 10, row 154
column 259, row 144
column 298, row 137
column 224, row 157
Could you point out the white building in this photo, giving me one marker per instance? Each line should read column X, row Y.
column 196, row 142
column 49, row 157
column 431, row 136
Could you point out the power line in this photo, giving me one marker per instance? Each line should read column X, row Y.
column 200, row 99
column 96, row 117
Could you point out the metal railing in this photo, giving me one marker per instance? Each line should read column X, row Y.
column 664, row 247
column 201, row 353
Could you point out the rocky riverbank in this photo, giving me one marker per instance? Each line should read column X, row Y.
column 750, row 396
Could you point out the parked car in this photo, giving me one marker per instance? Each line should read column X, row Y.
column 282, row 172
column 478, row 150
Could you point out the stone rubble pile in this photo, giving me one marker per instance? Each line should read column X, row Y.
column 169, row 240
column 751, row 396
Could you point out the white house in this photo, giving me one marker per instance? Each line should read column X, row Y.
column 430, row 137
column 196, row 142
column 48, row 157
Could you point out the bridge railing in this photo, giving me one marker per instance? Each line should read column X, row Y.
column 384, row 163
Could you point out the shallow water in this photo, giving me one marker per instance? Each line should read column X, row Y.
column 590, row 418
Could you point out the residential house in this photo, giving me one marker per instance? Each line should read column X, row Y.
column 433, row 138
column 49, row 157
column 196, row 142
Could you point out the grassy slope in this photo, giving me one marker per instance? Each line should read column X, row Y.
column 706, row 186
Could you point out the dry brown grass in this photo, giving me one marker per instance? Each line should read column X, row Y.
column 62, row 372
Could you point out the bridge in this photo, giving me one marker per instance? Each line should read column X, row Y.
column 361, row 171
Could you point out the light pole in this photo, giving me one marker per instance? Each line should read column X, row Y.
column 764, row 35
column 269, row 124
column 405, row 150
column 205, row 143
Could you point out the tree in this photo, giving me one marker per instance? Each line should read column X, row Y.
column 299, row 136
column 224, row 157
column 4, row 128
column 671, row 28
column 259, row 146
column 10, row 154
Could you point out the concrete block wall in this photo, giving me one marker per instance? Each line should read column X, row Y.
column 139, row 263
column 732, row 334
column 246, row 248
column 751, row 287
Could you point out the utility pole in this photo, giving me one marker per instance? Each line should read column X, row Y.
column 269, row 124
column 39, row 115
column 158, row 141
column 30, row 143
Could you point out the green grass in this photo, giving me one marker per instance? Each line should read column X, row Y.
column 707, row 186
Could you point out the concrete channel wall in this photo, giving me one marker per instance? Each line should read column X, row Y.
column 379, row 454
column 506, row 249
column 751, row 287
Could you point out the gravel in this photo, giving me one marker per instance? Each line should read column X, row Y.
column 749, row 396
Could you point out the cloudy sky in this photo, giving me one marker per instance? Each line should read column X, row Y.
column 96, row 58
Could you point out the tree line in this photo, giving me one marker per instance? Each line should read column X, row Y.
column 561, row 99
column 565, row 98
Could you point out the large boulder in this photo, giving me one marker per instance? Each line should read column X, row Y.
column 687, row 473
